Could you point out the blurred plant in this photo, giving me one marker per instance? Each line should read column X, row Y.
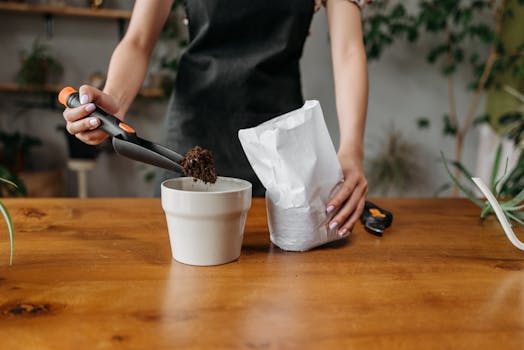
column 462, row 33
column 513, row 128
column 38, row 66
column 8, row 220
column 513, row 122
column 512, row 208
column 394, row 167
column 15, row 148
column 6, row 187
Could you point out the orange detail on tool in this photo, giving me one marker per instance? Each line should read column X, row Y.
column 126, row 127
column 64, row 94
column 376, row 213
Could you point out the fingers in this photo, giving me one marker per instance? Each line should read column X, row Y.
column 350, row 199
column 78, row 122
column 352, row 220
column 91, row 94
column 74, row 114
column 342, row 194
column 93, row 137
column 82, row 125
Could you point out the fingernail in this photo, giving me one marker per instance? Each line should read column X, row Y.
column 83, row 99
column 330, row 209
column 93, row 122
column 90, row 107
column 333, row 225
column 342, row 232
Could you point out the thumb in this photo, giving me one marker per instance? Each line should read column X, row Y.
column 89, row 94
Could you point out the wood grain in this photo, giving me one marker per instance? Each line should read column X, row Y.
column 98, row 274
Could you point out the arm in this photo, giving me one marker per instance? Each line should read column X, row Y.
column 351, row 91
column 126, row 73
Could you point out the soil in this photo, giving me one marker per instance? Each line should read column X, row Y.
column 199, row 164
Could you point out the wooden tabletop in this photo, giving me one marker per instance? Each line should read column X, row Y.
column 98, row 274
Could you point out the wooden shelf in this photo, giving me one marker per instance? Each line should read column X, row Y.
column 55, row 89
column 66, row 10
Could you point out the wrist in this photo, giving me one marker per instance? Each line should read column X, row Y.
column 351, row 152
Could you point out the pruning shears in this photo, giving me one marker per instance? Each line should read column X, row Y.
column 124, row 138
column 376, row 219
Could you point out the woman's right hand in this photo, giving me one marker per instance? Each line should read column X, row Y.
column 85, row 129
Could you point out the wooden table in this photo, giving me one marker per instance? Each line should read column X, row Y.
column 98, row 274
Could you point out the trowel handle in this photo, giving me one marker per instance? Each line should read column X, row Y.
column 109, row 123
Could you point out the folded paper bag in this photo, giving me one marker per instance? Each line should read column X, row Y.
column 295, row 160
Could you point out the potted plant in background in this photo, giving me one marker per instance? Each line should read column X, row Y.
column 395, row 167
column 510, row 184
column 39, row 67
column 463, row 33
column 17, row 161
column 14, row 150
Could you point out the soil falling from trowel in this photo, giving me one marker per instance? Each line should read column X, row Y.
column 199, row 164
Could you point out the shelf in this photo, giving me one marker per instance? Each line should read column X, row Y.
column 66, row 10
column 55, row 89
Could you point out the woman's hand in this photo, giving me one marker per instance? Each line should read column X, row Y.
column 85, row 129
column 351, row 90
column 351, row 196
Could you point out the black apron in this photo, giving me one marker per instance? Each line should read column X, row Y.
column 241, row 68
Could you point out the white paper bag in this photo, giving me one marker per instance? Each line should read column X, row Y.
column 296, row 162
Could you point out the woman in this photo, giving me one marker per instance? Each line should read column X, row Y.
column 241, row 68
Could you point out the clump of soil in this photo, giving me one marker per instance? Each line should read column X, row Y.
column 199, row 164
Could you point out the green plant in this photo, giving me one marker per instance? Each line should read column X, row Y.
column 512, row 208
column 6, row 187
column 395, row 167
column 461, row 33
column 513, row 122
column 38, row 66
column 9, row 222
column 15, row 148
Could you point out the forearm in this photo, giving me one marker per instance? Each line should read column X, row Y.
column 130, row 59
column 350, row 73
column 126, row 73
column 351, row 91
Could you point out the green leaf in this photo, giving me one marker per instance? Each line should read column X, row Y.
column 423, row 123
column 483, row 119
column 449, row 127
column 466, row 191
column 441, row 189
column 514, row 217
column 501, row 179
column 516, row 200
column 8, row 182
column 10, row 230
column 495, row 169
column 463, row 170
column 486, row 211
column 518, row 207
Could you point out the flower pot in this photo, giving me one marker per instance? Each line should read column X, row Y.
column 206, row 221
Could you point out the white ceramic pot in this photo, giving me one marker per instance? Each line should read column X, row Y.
column 206, row 221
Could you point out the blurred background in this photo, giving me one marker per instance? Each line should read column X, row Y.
column 446, row 82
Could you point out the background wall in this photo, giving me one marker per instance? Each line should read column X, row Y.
column 402, row 88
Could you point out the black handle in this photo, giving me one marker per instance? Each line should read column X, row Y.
column 375, row 218
column 108, row 122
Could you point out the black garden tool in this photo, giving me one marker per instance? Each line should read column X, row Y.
column 124, row 138
column 375, row 219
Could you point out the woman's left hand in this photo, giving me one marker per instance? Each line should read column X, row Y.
column 351, row 196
